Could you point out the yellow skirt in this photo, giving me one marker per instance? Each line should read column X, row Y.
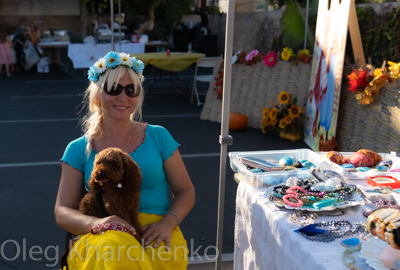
column 116, row 250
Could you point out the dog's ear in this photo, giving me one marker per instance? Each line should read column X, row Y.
column 132, row 178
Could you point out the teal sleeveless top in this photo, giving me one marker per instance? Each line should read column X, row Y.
column 157, row 146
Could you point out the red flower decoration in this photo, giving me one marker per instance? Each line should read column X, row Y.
column 270, row 59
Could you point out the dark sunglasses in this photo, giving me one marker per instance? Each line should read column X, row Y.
column 130, row 90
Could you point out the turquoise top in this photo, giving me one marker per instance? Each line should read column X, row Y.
column 157, row 146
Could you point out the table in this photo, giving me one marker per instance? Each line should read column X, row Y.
column 265, row 238
column 53, row 49
column 174, row 63
column 152, row 45
column 85, row 55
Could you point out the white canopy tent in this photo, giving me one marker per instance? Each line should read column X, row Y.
column 225, row 139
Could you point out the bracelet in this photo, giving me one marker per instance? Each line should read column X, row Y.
column 292, row 204
column 109, row 226
column 173, row 213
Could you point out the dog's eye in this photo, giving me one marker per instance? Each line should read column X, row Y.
column 113, row 163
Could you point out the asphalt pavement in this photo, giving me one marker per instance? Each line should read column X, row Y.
column 40, row 115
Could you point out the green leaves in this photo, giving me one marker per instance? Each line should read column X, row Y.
column 293, row 24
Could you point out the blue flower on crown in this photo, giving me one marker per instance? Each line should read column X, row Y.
column 92, row 74
column 137, row 65
column 112, row 59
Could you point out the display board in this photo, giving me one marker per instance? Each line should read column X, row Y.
column 326, row 73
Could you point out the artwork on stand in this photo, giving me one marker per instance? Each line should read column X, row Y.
column 326, row 74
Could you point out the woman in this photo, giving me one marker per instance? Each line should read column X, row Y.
column 35, row 37
column 6, row 57
column 114, row 98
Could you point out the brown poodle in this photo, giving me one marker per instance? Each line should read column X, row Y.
column 116, row 179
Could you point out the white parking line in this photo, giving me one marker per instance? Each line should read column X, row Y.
column 49, row 163
column 78, row 119
column 205, row 259
column 47, row 96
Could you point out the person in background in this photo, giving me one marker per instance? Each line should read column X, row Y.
column 114, row 99
column 6, row 57
column 35, row 37
column 19, row 46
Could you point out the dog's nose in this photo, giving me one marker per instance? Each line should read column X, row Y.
column 100, row 174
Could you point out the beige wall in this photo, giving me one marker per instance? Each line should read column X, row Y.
column 39, row 7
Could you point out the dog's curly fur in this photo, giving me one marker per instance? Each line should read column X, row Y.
column 112, row 167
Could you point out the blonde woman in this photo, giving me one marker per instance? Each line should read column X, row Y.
column 114, row 98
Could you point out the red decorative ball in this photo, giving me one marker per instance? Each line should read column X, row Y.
column 375, row 157
column 360, row 160
column 335, row 157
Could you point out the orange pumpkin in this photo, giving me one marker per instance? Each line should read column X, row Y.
column 237, row 121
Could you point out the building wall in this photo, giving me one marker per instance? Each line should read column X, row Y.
column 46, row 14
column 39, row 7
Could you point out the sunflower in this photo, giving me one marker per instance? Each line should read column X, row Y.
column 273, row 113
column 283, row 123
column 289, row 118
column 283, row 97
column 294, row 111
column 265, row 113
column 286, row 53
column 273, row 122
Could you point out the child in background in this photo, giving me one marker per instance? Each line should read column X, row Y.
column 6, row 57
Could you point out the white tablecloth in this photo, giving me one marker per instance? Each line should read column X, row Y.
column 84, row 55
column 265, row 238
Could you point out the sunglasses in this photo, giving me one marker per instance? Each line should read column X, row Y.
column 130, row 90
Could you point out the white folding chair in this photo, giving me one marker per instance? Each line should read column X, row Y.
column 203, row 63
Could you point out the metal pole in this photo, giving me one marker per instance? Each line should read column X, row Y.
column 119, row 14
column 112, row 24
column 225, row 139
column 306, row 26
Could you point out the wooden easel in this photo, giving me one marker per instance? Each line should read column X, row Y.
column 355, row 36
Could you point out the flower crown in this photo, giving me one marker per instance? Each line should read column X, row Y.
column 112, row 60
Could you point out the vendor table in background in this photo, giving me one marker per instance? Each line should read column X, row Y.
column 152, row 46
column 52, row 49
column 85, row 55
column 265, row 238
column 174, row 63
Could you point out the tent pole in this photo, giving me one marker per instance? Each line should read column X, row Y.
column 306, row 25
column 112, row 24
column 119, row 21
column 225, row 139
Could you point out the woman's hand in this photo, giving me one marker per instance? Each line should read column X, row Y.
column 157, row 232
column 98, row 228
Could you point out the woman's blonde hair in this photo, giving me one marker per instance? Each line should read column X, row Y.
column 92, row 122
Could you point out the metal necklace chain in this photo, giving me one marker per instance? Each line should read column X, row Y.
column 123, row 149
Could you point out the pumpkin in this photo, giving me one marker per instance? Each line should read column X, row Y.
column 237, row 121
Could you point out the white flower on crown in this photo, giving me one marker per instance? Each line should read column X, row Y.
column 126, row 59
column 100, row 66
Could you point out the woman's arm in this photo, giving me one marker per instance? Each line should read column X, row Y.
column 66, row 210
column 69, row 195
column 184, row 198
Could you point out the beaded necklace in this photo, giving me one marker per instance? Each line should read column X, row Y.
column 311, row 233
column 347, row 254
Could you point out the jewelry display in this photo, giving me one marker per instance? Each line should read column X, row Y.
column 307, row 197
column 310, row 232
column 347, row 254
column 303, row 219
column 384, row 223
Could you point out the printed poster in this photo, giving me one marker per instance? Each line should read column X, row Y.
column 326, row 74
